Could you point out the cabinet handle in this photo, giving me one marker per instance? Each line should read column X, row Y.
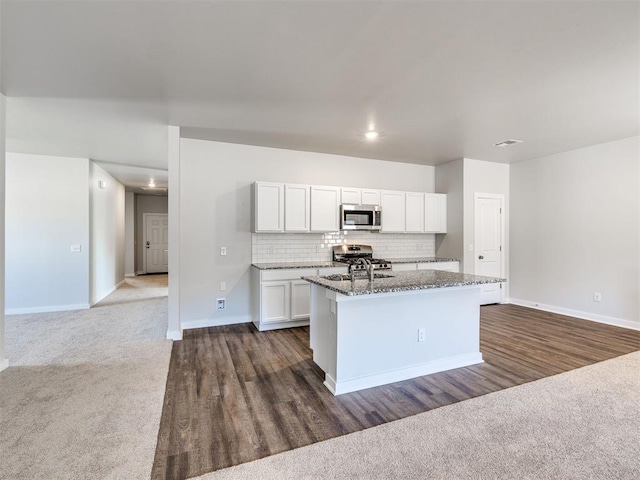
column 481, row 257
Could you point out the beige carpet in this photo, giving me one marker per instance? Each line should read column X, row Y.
column 82, row 397
column 583, row 424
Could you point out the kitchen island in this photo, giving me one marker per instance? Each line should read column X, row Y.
column 373, row 332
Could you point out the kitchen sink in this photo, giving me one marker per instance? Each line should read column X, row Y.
column 341, row 277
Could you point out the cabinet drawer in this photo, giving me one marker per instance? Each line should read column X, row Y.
column 288, row 274
column 401, row 267
column 446, row 266
column 332, row 270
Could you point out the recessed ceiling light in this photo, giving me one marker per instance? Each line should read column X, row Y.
column 371, row 135
column 506, row 143
column 152, row 183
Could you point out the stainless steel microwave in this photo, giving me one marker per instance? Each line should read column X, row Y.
column 360, row 217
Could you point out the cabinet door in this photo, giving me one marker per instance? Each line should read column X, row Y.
column 402, row 267
column 435, row 213
column 350, row 196
column 269, row 207
column 274, row 302
column 297, row 208
column 370, row 197
column 414, row 212
column 392, row 204
column 300, row 293
column 445, row 266
column 325, row 209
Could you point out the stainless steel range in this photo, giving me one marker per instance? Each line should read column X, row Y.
column 358, row 257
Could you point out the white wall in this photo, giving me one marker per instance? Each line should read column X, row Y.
column 129, row 234
column 146, row 204
column 216, row 205
column 3, row 361
column 47, row 211
column 483, row 177
column 575, row 231
column 449, row 179
column 106, row 217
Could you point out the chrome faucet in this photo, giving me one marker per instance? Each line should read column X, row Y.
column 368, row 266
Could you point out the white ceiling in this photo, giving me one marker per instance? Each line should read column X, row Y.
column 440, row 80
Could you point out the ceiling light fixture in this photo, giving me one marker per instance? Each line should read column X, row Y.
column 506, row 143
column 151, row 183
column 371, row 135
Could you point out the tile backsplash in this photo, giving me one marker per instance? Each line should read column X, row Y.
column 291, row 247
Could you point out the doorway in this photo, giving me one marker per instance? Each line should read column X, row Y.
column 155, row 243
column 488, row 233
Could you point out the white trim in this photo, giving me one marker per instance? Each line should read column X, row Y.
column 48, row 308
column 4, row 364
column 174, row 335
column 174, row 327
column 354, row 384
column 139, row 272
column 144, row 238
column 592, row 317
column 503, row 238
column 113, row 289
column 215, row 322
column 130, row 275
column 275, row 326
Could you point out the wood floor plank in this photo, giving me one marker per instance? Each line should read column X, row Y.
column 235, row 394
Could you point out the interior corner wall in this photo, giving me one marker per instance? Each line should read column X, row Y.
column 47, row 211
column 106, row 220
column 3, row 106
column 575, row 231
column 449, row 179
column 483, row 177
column 146, row 204
column 216, row 210
column 129, row 234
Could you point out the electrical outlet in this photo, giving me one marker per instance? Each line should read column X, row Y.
column 223, row 251
column 597, row 297
column 221, row 303
column 422, row 334
column 223, row 286
column 76, row 248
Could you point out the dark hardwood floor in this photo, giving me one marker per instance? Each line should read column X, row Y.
column 235, row 394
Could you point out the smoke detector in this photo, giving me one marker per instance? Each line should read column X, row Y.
column 506, row 143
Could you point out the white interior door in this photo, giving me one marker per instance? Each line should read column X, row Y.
column 488, row 233
column 156, row 243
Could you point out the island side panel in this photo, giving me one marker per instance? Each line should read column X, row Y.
column 323, row 329
column 377, row 336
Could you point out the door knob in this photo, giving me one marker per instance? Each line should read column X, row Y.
column 481, row 257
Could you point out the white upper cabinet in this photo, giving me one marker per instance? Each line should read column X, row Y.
column 414, row 212
column 351, row 196
column 393, row 211
column 435, row 213
column 297, row 210
column 269, row 207
column 325, row 209
column 370, row 197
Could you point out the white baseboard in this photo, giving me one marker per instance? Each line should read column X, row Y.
column 215, row 322
column 46, row 309
column 130, row 274
column 4, row 364
column 111, row 290
column 593, row 317
column 360, row 383
column 174, row 335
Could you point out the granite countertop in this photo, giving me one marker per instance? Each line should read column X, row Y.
column 421, row 260
column 285, row 265
column 404, row 281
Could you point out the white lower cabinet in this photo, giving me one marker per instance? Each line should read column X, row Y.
column 445, row 266
column 402, row 267
column 452, row 266
column 280, row 299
